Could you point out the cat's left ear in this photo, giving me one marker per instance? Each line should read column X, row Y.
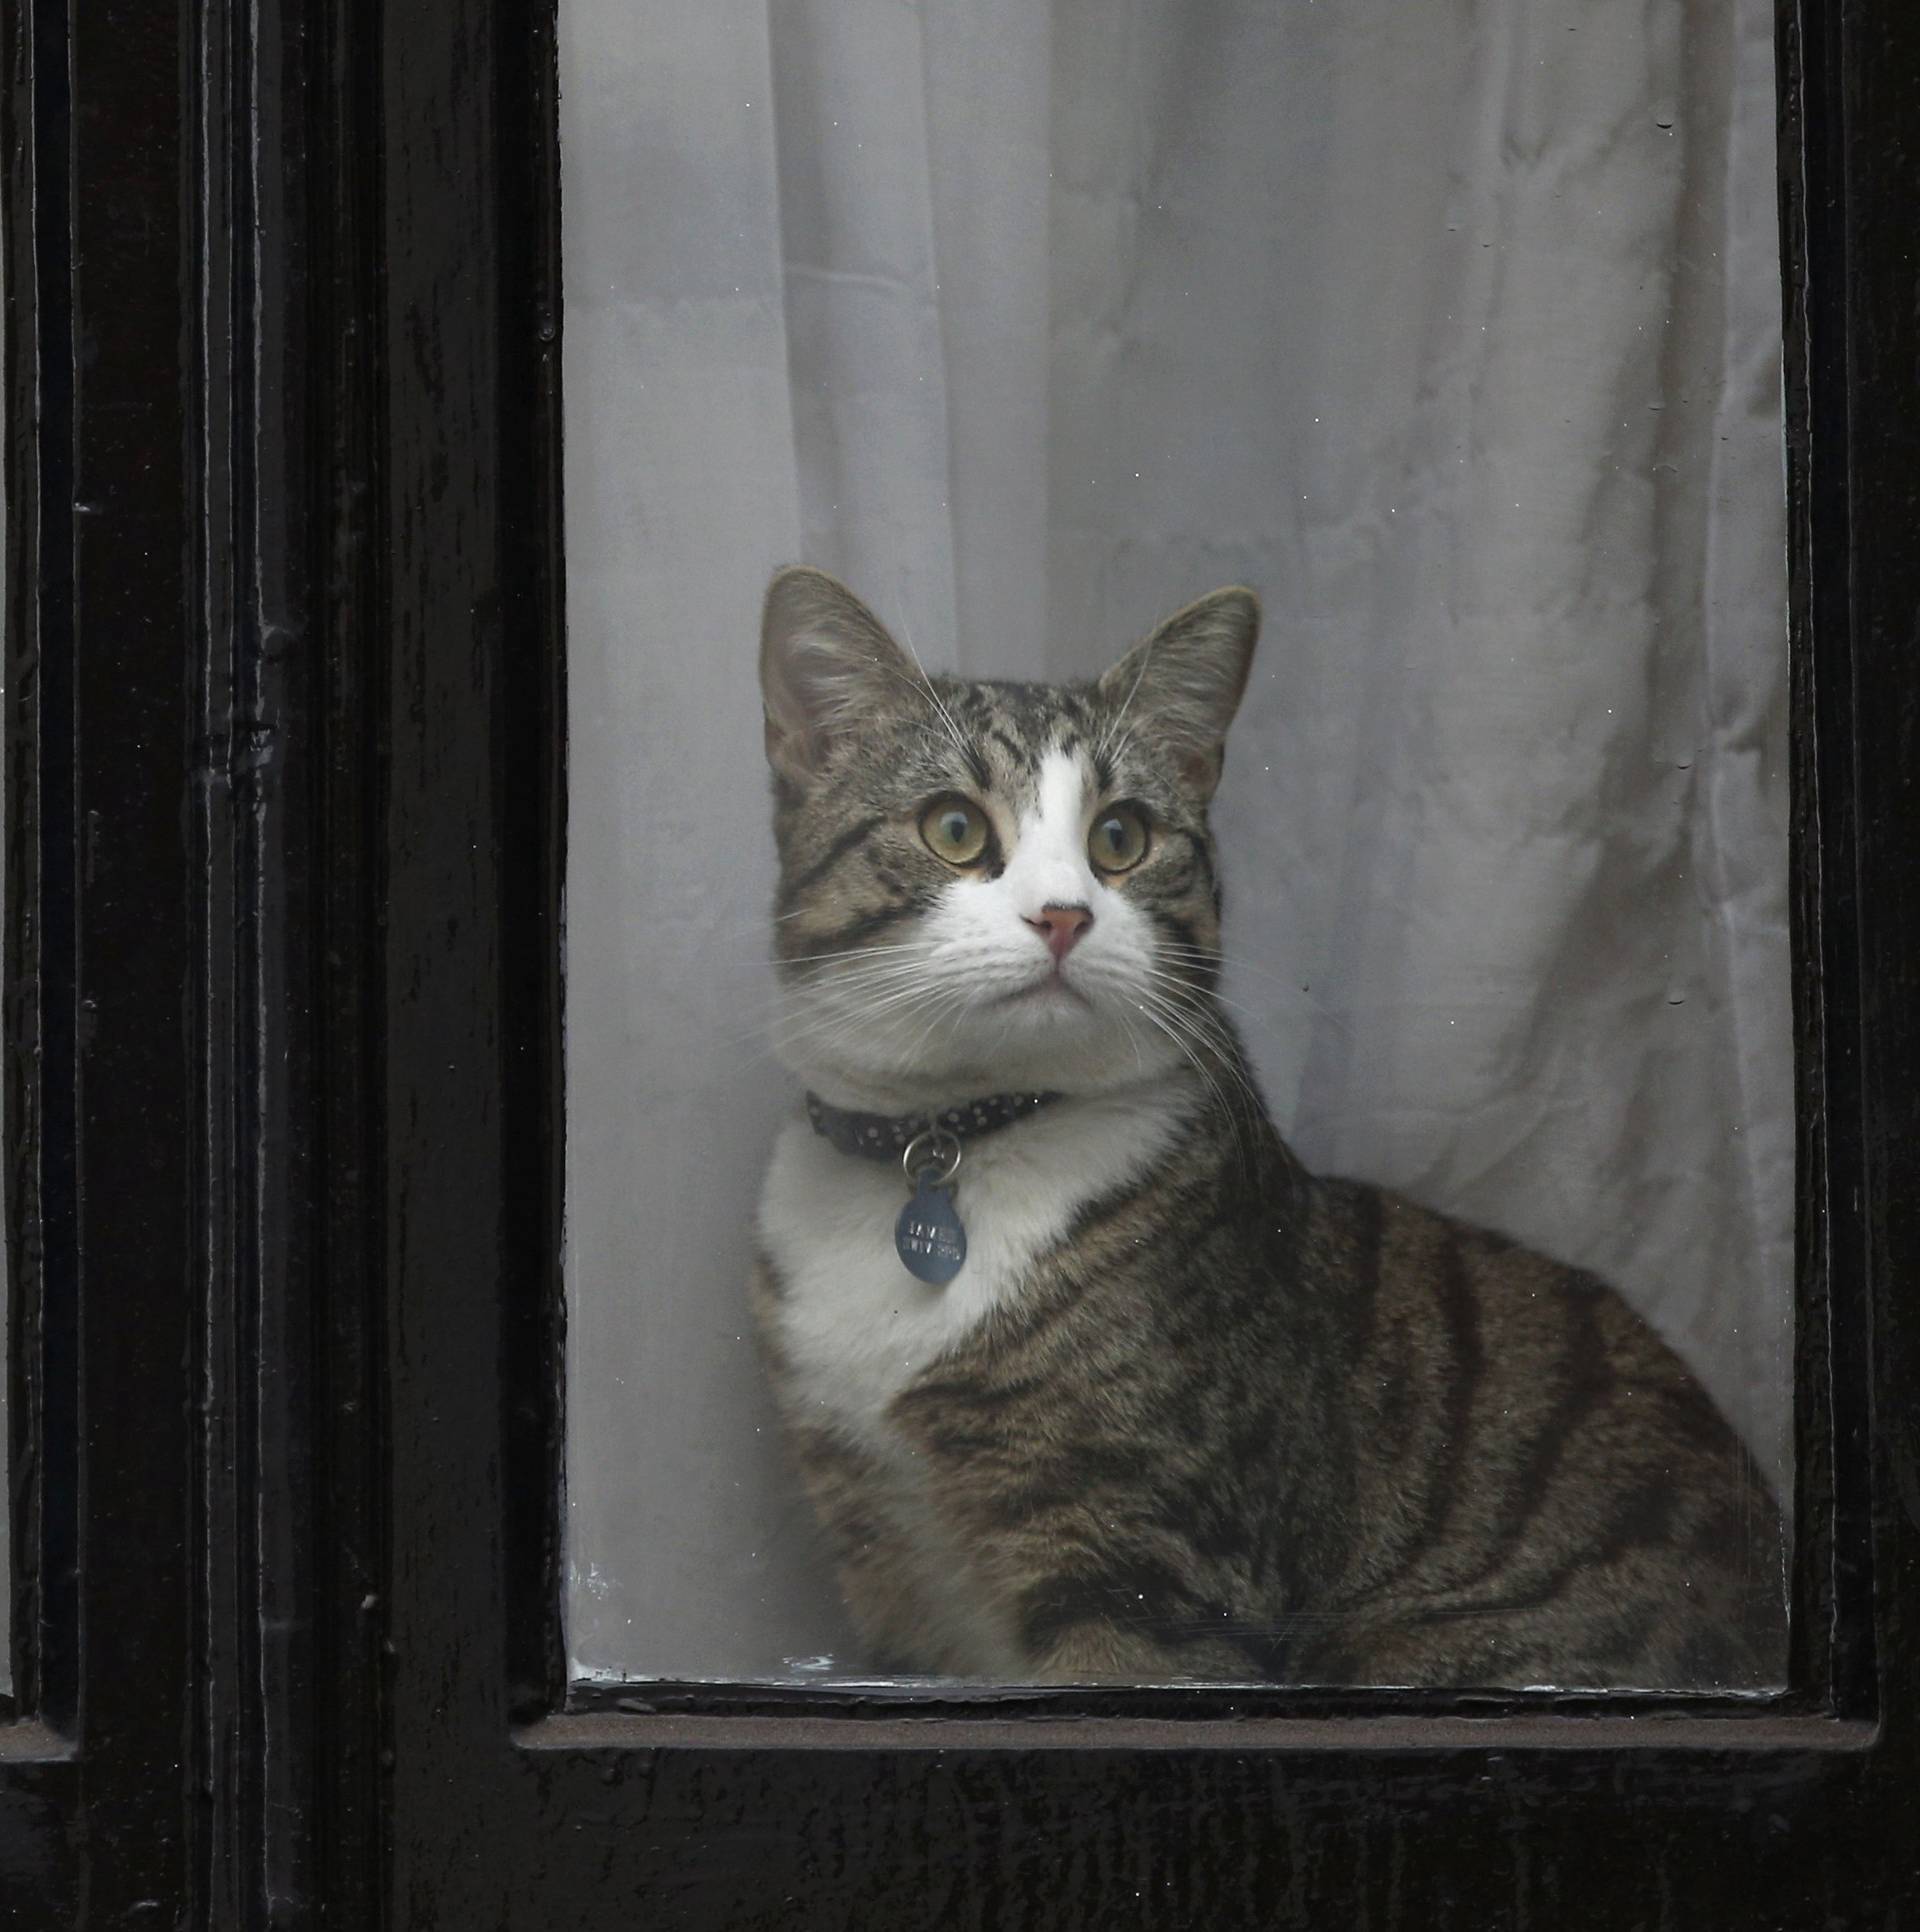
column 1183, row 684
column 826, row 664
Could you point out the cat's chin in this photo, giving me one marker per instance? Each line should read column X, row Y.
column 1050, row 1011
column 1047, row 1035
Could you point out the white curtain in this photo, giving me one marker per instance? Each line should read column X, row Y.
column 1455, row 330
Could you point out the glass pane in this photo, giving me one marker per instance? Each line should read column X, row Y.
column 1454, row 332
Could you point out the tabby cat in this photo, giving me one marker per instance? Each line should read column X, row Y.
column 1185, row 1411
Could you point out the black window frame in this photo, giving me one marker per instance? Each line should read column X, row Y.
column 285, row 821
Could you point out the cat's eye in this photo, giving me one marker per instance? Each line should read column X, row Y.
column 955, row 829
column 1118, row 841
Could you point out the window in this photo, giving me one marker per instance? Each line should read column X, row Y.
column 1461, row 347
column 285, row 812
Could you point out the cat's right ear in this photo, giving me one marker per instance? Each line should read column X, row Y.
column 825, row 663
column 1184, row 683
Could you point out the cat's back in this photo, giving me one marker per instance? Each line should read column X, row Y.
column 1502, row 1359
column 1546, row 1486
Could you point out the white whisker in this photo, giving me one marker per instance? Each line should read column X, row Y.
column 917, row 946
column 946, row 716
column 1191, row 1027
column 1106, row 738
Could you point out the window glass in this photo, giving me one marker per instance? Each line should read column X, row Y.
column 1454, row 332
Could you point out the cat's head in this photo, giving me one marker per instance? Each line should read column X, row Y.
column 990, row 886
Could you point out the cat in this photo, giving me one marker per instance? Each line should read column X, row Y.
column 1186, row 1411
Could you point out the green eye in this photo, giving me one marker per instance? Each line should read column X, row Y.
column 955, row 829
column 1118, row 841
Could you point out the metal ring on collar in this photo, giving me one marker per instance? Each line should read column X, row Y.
column 933, row 1136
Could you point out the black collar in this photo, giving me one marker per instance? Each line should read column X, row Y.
column 885, row 1137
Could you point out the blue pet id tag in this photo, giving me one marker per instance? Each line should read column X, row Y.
column 928, row 1236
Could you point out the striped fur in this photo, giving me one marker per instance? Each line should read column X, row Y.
column 1190, row 1412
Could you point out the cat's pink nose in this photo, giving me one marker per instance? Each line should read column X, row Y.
column 1061, row 927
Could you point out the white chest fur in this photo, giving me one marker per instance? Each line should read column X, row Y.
column 855, row 1327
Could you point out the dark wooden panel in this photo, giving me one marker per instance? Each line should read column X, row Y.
column 103, row 736
column 155, row 581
